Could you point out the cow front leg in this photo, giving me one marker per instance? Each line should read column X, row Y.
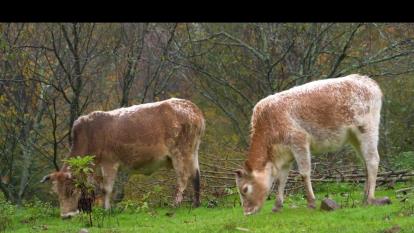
column 310, row 196
column 109, row 172
column 302, row 156
column 282, row 179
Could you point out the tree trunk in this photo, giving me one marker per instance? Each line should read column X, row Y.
column 29, row 139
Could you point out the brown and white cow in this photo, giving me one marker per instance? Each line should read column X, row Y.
column 142, row 137
column 319, row 116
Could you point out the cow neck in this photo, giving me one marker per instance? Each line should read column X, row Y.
column 257, row 155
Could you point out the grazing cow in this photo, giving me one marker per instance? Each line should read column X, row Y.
column 319, row 116
column 142, row 137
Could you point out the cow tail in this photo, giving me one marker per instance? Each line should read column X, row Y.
column 196, row 178
column 196, row 184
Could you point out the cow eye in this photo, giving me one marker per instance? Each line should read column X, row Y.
column 245, row 189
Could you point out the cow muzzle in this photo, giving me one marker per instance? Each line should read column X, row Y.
column 251, row 211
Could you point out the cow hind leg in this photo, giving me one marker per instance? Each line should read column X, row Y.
column 183, row 174
column 365, row 144
column 371, row 159
column 119, row 192
column 185, row 163
column 182, row 180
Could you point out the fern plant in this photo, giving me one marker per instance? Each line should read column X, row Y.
column 81, row 169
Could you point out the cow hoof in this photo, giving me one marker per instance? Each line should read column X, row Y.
column 276, row 209
column 312, row 206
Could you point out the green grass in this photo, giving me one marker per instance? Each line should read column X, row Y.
column 295, row 217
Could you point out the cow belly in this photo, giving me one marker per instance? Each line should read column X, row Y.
column 152, row 166
column 332, row 142
column 143, row 158
column 325, row 146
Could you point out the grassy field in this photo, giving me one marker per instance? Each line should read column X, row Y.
column 295, row 217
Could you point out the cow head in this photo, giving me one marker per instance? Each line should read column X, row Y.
column 253, row 187
column 63, row 185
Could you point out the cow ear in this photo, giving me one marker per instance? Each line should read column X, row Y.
column 240, row 173
column 245, row 189
column 45, row 178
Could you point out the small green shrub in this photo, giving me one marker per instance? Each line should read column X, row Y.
column 5, row 222
column 405, row 160
column 140, row 205
column 81, row 169
column 128, row 206
column 105, row 218
column 6, row 210
column 39, row 209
